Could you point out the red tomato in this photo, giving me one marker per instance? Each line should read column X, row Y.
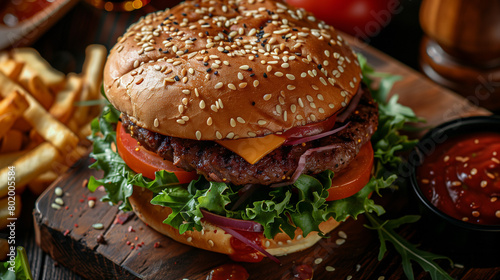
column 142, row 161
column 311, row 129
column 359, row 18
column 353, row 178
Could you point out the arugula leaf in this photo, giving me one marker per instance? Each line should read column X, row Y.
column 387, row 143
column 21, row 269
column 408, row 251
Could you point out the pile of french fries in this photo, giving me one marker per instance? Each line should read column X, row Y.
column 44, row 119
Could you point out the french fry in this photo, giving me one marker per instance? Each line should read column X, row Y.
column 45, row 124
column 9, row 158
column 39, row 184
column 92, row 78
column 5, row 212
column 30, row 166
column 34, row 85
column 12, row 141
column 22, row 125
column 11, row 68
column 64, row 102
column 11, row 108
column 32, row 59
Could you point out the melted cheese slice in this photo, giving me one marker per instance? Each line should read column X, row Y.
column 253, row 149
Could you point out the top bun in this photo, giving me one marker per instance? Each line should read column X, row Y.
column 211, row 70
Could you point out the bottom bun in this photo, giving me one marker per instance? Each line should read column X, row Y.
column 213, row 238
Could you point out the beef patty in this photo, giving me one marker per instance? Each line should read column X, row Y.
column 219, row 164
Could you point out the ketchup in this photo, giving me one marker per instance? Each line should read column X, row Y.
column 12, row 12
column 243, row 252
column 462, row 178
column 228, row 271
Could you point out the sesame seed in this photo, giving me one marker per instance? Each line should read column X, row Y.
column 176, row 63
column 329, row 268
column 218, row 85
column 262, row 122
column 98, row 226
column 285, row 116
column 232, row 122
column 157, row 67
column 230, row 135
column 473, row 171
column 251, row 134
column 331, row 105
column 256, row 83
column 185, row 101
column 181, row 109
column 185, row 118
column 198, row 134
column 180, row 121
column 318, row 260
column 242, row 85
column 55, row 206
column 202, row 104
column 240, row 120
column 340, row 241
column 290, row 77
column 231, row 86
column 244, row 67
column 156, row 123
column 214, row 108
column 476, row 213
column 290, row 87
column 285, row 65
column 267, row 244
column 446, row 158
column 278, row 74
column 218, row 135
column 484, row 183
column 342, row 234
column 186, row 91
column 456, row 183
column 267, row 96
column 497, row 214
column 211, row 243
column 209, row 121
column 240, row 76
column 58, row 191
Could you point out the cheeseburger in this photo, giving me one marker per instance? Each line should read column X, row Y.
column 242, row 127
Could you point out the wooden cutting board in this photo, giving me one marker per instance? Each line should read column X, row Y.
column 129, row 251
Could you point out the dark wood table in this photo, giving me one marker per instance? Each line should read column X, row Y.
column 64, row 46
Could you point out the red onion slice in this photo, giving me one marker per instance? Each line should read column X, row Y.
column 295, row 141
column 244, row 193
column 238, row 224
column 302, row 164
column 352, row 105
column 249, row 243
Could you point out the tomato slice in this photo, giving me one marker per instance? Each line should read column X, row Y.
column 311, row 129
column 143, row 161
column 352, row 179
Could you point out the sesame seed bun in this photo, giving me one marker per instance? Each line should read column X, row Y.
column 212, row 70
column 213, row 238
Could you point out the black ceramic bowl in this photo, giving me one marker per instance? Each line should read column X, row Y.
column 472, row 244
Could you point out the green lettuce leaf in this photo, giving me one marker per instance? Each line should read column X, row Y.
column 21, row 269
